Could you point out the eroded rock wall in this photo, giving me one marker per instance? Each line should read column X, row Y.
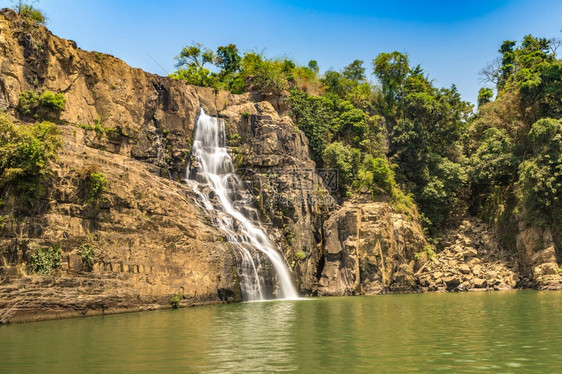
column 369, row 249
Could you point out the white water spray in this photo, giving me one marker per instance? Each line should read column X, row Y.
column 213, row 179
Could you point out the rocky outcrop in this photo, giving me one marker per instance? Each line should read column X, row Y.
column 272, row 156
column 537, row 256
column 126, row 110
column 149, row 239
column 470, row 259
column 368, row 249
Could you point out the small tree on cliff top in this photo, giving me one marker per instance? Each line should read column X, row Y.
column 25, row 9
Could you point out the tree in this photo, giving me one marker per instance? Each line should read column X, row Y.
column 355, row 71
column 541, row 174
column 228, row 59
column 485, row 95
column 491, row 72
column 25, row 9
column 190, row 64
column 391, row 69
column 344, row 159
column 313, row 65
column 195, row 55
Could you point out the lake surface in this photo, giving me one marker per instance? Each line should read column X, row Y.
column 516, row 331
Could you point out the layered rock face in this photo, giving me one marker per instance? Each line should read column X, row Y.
column 149, row 240
column 538, row 258
column 369, row 249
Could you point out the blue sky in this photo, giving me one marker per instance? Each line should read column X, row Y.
column 452, row 40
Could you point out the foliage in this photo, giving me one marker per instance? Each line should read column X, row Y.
column 300, row 256
column 485, row 95
column 515, row 143
column 242, row 73
column 344, row 159
column 87, row 255
column 176, row 300
column 376, row 174
column 533, row 70
column 540, row 176
column 355, row 71
column 424, row 125
column 25, row 151
column 39, row 105
column 313, row 115
column 228, row 59
column 45, row 260
column 25, row 9
column 493, row 163
column 313, row 65
column 391, row 69
column 96, row 183
column 427, row 252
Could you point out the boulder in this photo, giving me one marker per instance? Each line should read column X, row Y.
column 476, row 270
column 464, row 268
column 480, row 283
column 451, row 282
column 470, row 252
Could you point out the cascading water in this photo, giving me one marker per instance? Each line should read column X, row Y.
column 213, row 179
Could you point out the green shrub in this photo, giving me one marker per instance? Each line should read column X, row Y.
column 45, row 260
column 344, row 159
column 540, row 175
column 55, row 102
column 264, row 75
column 41, row 105
column 314, row 116
column 426, row 251
column 27, row 102
column 377, row 175
column 87, row 256
column 96, row 183
column 176, row 300
column 25, row 151
column 25, row 10
column 300, row 256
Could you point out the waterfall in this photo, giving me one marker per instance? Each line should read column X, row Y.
column 211, row 174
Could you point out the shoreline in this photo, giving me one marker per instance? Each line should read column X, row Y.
column 32, row 316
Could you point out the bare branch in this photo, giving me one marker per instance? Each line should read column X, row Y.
column 491, row 72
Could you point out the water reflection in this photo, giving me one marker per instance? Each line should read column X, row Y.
column 494, row 332
column 253, row 337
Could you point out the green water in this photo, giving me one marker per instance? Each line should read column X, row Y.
column 518, row 331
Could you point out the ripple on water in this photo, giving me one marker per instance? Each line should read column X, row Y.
column 359, row 334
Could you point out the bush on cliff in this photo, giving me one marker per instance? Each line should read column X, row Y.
column 87, row 255
column 95, row 183
column 515, row 142
column 242, row 73
column 25, row 9
column 45, row 260
column 540, row 175
column 25, row 151
column 41, row 105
